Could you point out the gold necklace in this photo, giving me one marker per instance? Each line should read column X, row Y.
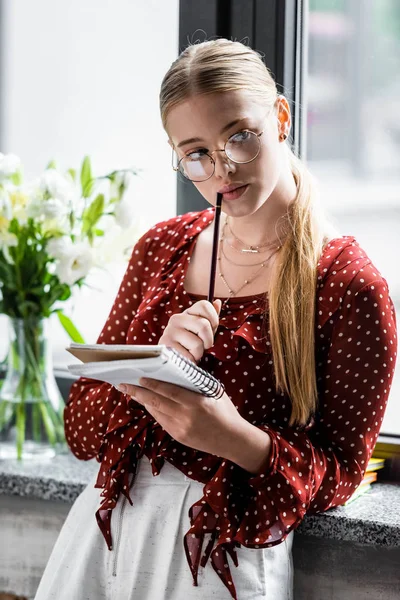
column 247, row 281
column 239, row 249
column 248, row 248
column 241, row 264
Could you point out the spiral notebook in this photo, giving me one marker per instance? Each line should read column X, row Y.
column 123, row 363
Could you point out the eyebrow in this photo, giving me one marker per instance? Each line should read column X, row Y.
column 225, row 128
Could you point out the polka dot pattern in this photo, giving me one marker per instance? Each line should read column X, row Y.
column 311, row 468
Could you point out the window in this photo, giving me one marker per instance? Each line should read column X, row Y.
column 83, row 78
column 353, row 131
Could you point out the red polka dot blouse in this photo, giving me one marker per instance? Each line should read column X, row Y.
column 311, row 469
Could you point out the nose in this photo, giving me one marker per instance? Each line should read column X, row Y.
column 223, row 164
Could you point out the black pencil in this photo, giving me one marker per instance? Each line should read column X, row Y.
column 215, row 247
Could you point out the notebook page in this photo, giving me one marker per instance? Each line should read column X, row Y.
column 130, row 370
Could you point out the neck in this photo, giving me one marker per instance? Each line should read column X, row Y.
column 268, row 222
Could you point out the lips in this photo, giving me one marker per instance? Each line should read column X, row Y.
column 230, row 188
column 235, row 193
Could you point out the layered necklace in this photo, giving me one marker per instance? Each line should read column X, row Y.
column 247, row 248
column 274, row 246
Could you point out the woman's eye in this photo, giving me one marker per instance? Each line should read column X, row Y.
column 197, row 154
column 242, row 136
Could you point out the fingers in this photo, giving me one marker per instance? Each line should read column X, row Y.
column 186, row 353
column 186, row 342
column 205, row 309
column 153, row 396
column 201, row 327
column 173, row 392
column 192, row 331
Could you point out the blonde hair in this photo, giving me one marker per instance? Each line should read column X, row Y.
column 219, row 66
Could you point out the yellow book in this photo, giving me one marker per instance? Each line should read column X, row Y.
column 369, row 478
column 387, row 447
column 374, row 464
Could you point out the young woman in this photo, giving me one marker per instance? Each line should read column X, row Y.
column 302, row 334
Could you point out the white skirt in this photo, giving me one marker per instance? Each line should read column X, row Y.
column 148, row 560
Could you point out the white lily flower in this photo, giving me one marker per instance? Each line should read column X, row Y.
column 33, row 189
column 52, row 212
column 35, row 208
column 75, row 263
column 117, row 244
column 6, row 241
column 59, row 247
column 54, row 208
column 26, row 200
column 20, row 201
column 125, row 213
column 7, row 255
column 55, row 227
column 5, row 204
column 57, row 185
column 9, row 164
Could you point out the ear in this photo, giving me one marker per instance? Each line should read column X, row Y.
column 284, row 115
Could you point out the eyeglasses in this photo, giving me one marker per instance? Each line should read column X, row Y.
column 241, row 148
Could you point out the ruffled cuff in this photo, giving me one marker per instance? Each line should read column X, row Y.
column 281, row 494
column 257, row 481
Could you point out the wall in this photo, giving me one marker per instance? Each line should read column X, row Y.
column 83, row 78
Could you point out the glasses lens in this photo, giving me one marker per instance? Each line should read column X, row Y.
column 243, row 146
column 197, row 167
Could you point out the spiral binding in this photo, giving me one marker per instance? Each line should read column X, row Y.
column 208, row 384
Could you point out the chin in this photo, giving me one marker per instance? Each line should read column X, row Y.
column 241, row 209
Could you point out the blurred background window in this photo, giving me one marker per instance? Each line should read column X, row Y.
column 353, row 131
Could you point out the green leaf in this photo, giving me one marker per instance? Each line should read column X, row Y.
column 57, row 420
column 92, row 214
column 20, row 426
column 86, row 177
column 7, row 412
column 111, row 176
column 70, row 328
column 48, row 424
column 65, row 294
column 72, row 172
column 36, row 422
column 98, row 232
column 16, row 178
column 51, row 165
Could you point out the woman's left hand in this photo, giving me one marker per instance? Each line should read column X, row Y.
column 194, row 420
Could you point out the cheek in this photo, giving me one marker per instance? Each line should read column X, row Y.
column 269, row 166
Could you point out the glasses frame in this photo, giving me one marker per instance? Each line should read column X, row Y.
column 258, row 136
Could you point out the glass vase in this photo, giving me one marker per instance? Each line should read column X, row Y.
column 31, row 405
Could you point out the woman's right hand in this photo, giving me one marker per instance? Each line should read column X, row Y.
column 192, row 331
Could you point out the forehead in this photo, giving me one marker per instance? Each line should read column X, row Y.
column 208, row 113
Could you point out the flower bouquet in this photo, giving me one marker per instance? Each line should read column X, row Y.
column 54, row 231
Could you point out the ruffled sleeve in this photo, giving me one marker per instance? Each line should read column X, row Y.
column 319, row 467
column 91, row 403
